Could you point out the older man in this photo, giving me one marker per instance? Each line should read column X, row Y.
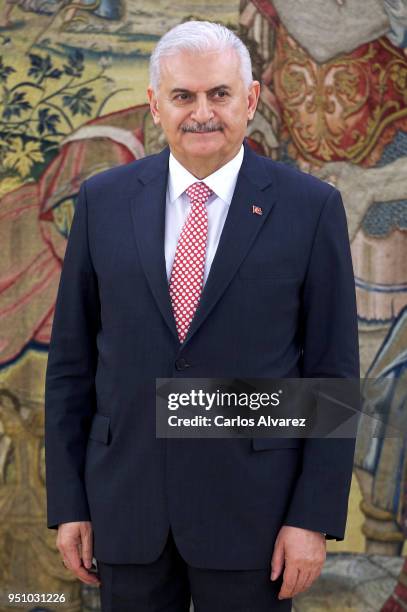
column 205, row 260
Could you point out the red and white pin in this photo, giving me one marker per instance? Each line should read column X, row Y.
column 257, row 210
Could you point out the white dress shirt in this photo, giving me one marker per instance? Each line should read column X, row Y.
column 222, row 182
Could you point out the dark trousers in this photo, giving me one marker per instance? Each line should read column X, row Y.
column 168, row 584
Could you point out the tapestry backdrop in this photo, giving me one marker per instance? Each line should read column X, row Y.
column 73, row 78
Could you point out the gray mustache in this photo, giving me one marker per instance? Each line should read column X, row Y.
column 201, row 128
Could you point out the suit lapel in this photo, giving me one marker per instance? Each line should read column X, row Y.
column 148, row 213
column 253, row 188
column 239, row 232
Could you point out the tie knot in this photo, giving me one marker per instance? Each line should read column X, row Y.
column 199, row 192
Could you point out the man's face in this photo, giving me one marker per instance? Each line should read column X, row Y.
column 203, row 105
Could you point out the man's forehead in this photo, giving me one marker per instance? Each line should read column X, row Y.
column 189, row 71
column 222, row 86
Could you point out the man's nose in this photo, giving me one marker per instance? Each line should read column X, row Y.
column 202, row 111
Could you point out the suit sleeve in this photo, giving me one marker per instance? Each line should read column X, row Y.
column 330, row 349
column 70, row 376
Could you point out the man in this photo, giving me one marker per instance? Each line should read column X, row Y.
column 237, row 523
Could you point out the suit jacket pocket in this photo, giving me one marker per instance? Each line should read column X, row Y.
column 100, row 428
column 259, row 444
column 266, row 271
column 256, row 276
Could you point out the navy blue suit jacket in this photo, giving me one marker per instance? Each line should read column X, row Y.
column 279, row 302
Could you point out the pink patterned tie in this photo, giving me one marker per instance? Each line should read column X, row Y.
column 187, row 272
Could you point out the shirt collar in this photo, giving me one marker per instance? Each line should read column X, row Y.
column 222, row 181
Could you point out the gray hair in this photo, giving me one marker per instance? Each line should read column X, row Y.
column 199, row 37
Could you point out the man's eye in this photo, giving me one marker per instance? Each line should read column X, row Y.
column 221, row 93
column 182, row 97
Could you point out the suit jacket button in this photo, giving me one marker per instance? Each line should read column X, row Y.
column 181, row 364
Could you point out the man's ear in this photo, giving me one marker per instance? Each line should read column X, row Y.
column 152, row 98
column 253, row 99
